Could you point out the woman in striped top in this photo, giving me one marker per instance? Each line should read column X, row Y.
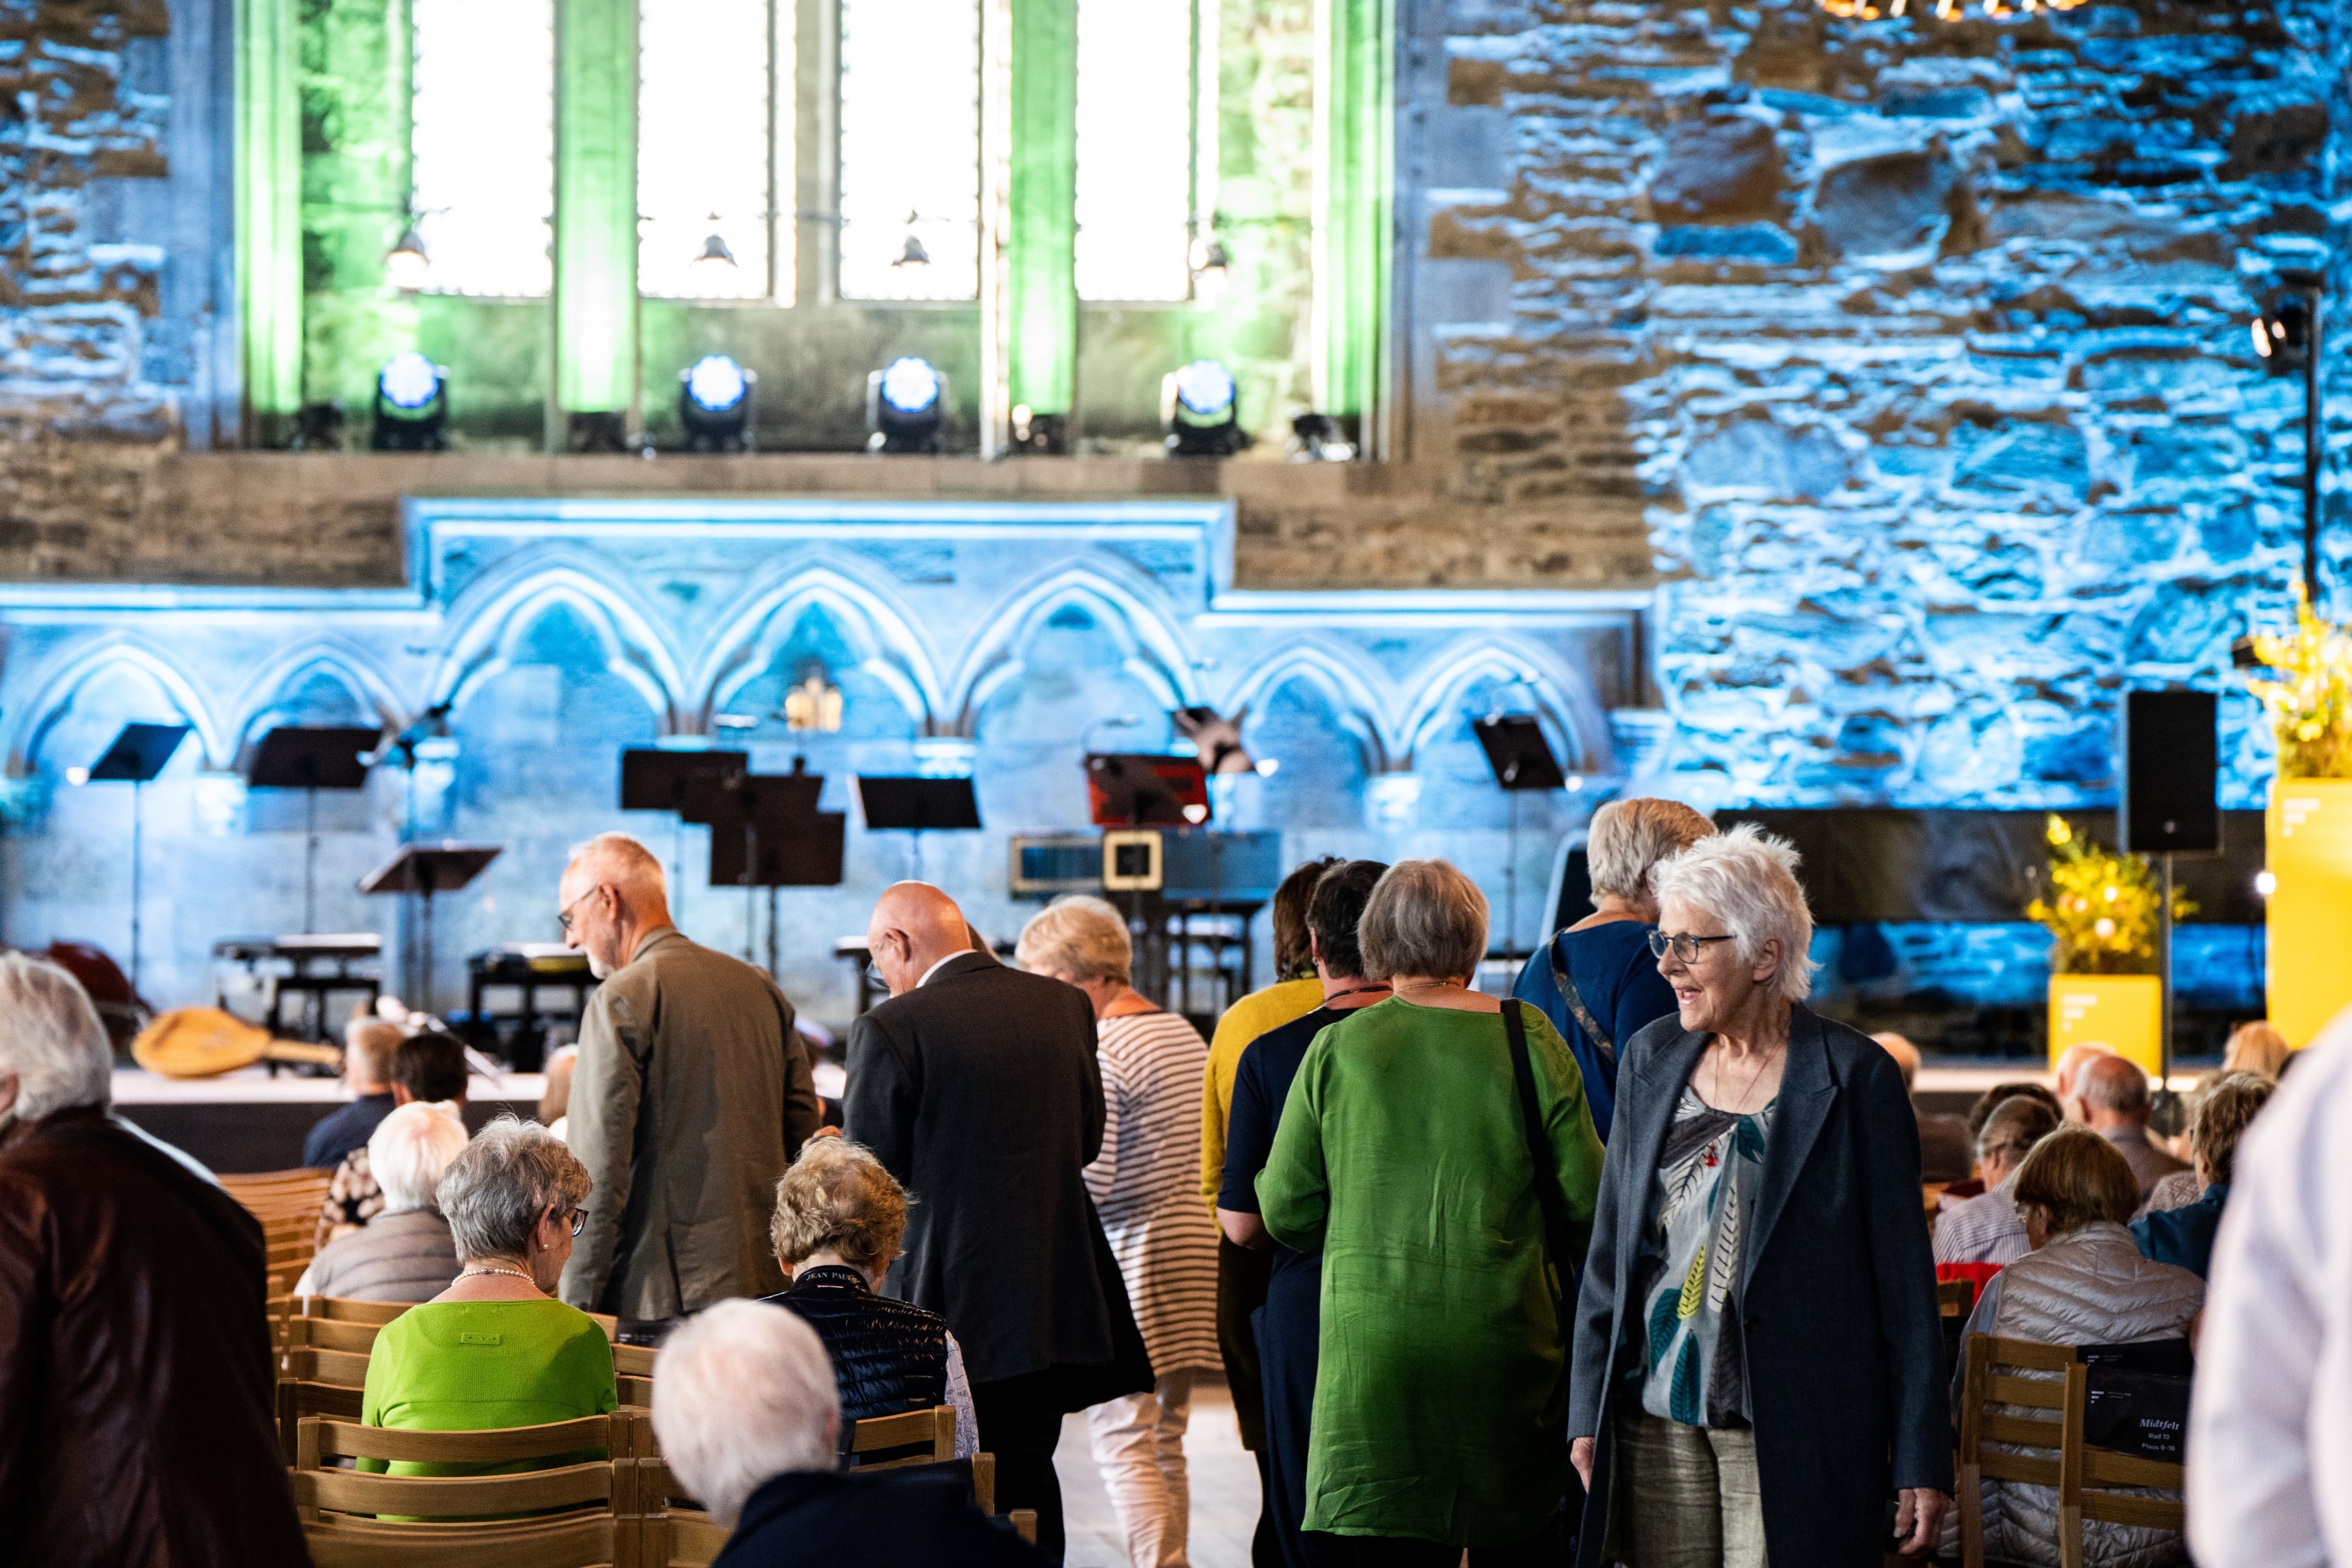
column 1144, row 1184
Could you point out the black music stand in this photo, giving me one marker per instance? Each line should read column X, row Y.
column 1522, row 760
column 656, row 778
column 917, row 805
column 1143, row 789
column 425, row 870
column 139, row 753
column 312, row 757
column 753, row 818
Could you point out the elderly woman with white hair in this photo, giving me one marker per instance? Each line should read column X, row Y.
column 137, row 1428
column 497, row 1348
column 1436, row 1151
column 404, row 1253
column 1596, row 980
column 1759, row 1359
column 746, row 1413
column 1144, row 1184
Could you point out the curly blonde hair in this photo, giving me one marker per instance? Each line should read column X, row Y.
column 837, row 1198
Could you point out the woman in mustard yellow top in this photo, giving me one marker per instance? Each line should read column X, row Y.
column 496, row 1349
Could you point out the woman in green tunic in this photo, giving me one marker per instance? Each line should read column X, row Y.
column 1404, row 1158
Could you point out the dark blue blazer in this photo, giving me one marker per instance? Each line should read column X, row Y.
column 1837, row 1294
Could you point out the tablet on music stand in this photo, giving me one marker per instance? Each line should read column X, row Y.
column 1135, row 789
column 916, row 803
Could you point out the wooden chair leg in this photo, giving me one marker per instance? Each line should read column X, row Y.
column 1025, row 1524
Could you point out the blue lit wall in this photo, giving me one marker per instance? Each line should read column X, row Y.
column 974, row 637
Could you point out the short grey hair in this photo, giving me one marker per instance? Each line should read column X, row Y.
column 1627, row 839
column 1747, row 879
column 410, row 1151
column 51, row 1040
column 1080, row 936
column 498, row 1187
column 743, row 1394
column 1424, row 917
column 2113, row 1083
column 625, row 862
column 2015, row 1126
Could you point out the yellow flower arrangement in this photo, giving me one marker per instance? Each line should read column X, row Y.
column 2102, row 907
column 2310, row 702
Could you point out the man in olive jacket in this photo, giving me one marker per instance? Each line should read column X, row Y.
column 691, row 1096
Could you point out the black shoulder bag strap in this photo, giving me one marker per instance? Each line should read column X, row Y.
column 1548, row 1197
column 1578, row 1010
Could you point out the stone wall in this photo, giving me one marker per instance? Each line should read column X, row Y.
column 1923, row 346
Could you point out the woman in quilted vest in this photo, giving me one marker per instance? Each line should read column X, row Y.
column 839, row 1218
column 2085, row 1283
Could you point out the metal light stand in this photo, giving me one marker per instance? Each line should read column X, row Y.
column 2164, row 958
column 136, row 786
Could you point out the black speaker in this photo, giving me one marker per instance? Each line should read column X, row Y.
column 2171, row 762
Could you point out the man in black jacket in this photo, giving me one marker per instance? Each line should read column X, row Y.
column 976, row 1086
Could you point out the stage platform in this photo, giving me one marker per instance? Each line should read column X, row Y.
column 249, row 1121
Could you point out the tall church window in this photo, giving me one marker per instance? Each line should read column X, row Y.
column 482, row 143
column 1136, row 152
column 714, row 149
column 910, row 149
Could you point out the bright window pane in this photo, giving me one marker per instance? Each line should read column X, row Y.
column 910, row 144
column 483, row 141
column 703, row 148
column 1135, row 149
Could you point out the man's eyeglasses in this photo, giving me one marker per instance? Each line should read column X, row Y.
column 1682, row 947
column 564, row 916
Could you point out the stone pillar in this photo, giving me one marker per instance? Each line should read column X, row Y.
column 268, row 216
column 1042, row 278
column 1355, row 153
column 595, row 305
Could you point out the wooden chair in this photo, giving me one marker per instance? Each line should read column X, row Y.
column 634, row 1360
column 313, row 1363
column 1955, row 1298
column 1991, row 1397
column 298, row 1400
column 677, row 1531
column 635, row 1393
column 879, row 1434
column 2098, row 1473
column 589, row 1540
column 343, row 1309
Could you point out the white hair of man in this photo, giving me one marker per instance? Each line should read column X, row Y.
column 410, row 1151
column 618, row 859
column 743, row 1394
column 51, row 1042
column 1627, row 839
column 1747, row 879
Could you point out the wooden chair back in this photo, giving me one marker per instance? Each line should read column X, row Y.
column 331, row 1334
column 314, row 1363
column 634, row 1360
column 1992, row 1395
column 635, row 1393
column 679, row 1534
column 591, row 1486
column 296, row 1400
column 344, row 1309
column 878, row 1434
column 2098, row 1473
column 583, row 1540
column 1955, row 1298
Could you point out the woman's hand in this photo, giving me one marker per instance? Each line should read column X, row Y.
column 1918, row 1518
column 1580, row 1453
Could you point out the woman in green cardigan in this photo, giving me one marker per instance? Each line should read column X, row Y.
column 1403, row 1157
column 496, row 1349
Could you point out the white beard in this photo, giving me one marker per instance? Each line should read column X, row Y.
column 600, row 969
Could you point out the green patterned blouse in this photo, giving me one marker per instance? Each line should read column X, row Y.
column 1708, row 1174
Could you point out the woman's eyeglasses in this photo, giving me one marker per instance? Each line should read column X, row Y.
column 1682, row 947
column 579, row 1218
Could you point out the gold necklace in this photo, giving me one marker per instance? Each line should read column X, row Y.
column 1758, row 1077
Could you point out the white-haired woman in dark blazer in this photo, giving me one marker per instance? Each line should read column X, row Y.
column 1758, row 1353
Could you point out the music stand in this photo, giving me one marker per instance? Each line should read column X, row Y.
column 751, row 815
column 1522, row 760
column 655, row 778
column 139, row 753
column 312, row 757
column 783, row 842
column 1139, row 789
column 917, row 805
column 425, row 870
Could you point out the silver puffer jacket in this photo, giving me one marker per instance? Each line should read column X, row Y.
column 2090, row 1287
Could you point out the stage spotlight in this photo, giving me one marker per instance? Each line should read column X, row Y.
column 406, row 264
column 1197, row 410
column 903, row 406
column 1319, row 438
column 716, row 402
column 412, row 404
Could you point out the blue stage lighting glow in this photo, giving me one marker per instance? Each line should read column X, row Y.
column 409, row 380
column 1206, row 387
column 910, row 385
column 715, row 383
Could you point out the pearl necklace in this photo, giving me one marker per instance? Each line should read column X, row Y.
column 517, row 1273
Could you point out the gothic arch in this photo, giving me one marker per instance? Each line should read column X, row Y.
column 1358, row 693
column 345, row 663
column 1150, row 649
column 1561, row 696
column 878, row 632
column 634, row 646
column 56, row 693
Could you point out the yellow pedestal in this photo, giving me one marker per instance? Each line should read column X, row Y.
column 2310, row 856
column 2122, row 1012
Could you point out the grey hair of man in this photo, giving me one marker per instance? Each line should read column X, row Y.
column 743, row 1394
column 2114, row 1084
column 1747, row 879
column 499, row 1185
column 51, row 1042
column 410, row 1152
column 1627, row 839
column 1425, row 917
column 2013, row 1129
column 1081, row 936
